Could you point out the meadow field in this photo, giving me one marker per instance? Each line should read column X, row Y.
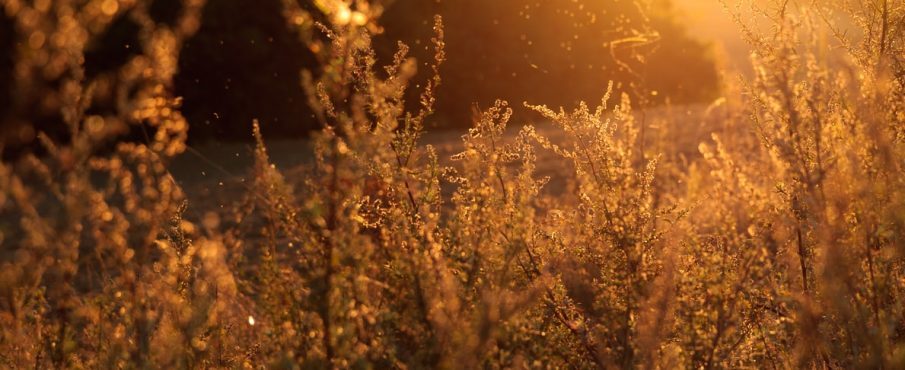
column 662, row 225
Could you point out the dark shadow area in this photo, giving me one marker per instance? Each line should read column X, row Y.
column 7, row 63
column 244, row 63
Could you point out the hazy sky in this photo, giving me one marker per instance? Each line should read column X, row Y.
column 708, row 20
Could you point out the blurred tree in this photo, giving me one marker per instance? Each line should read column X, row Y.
column 557, row 52
column 244, row 62
column 679, row 68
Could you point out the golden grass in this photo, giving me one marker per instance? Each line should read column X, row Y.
column 776, row 242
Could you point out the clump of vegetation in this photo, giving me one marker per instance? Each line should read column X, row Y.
column 776, row 243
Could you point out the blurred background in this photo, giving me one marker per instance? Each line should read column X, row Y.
column 245, row 61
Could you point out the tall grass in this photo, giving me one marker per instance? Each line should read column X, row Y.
column 777, row 243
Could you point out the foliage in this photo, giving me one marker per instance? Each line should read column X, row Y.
column 778, row 244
